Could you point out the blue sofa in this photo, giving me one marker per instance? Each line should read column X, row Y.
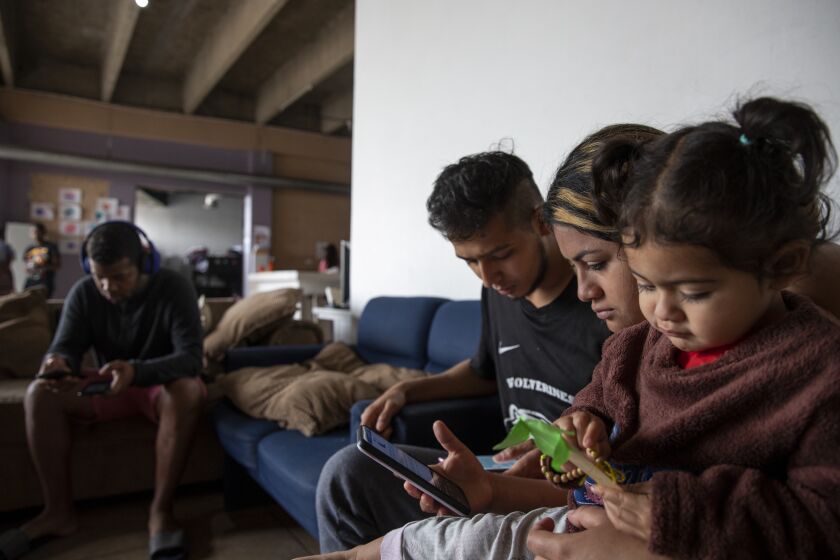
column 417, row 332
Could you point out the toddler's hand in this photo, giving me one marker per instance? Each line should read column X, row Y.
column 590, row 432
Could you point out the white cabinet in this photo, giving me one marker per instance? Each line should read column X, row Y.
column 312, row 283
column 343, row 323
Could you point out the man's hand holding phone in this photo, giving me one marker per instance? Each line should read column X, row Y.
column 56, row 373
column 121, row 374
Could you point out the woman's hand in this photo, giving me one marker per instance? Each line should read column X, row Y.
column 629, row 508
column 599, row 540
column 461, row 467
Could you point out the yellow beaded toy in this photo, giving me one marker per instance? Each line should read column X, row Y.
column 556, row 451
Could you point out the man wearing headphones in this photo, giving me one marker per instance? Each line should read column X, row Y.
column 143, row 326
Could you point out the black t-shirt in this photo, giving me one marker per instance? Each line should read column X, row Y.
column 38, row 258
column 540, row 357
column 158, row 330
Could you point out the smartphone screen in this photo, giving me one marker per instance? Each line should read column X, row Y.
column 410, row 469
column 490, row 465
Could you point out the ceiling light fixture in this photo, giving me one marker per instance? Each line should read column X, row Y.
column 141, row 3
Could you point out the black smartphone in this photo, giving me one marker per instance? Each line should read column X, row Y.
column 95, row 388
column 413, row 471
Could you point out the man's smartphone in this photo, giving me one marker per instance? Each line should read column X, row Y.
column 490, row 465
column 413, row 471
column 95, row 388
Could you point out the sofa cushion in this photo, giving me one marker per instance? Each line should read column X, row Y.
column 239, row 434
column 24, row 333
column 251, row 318
column 454, row 334
column 395, row 330
column 289, row 467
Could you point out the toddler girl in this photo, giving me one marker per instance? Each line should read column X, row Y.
column 732, row 385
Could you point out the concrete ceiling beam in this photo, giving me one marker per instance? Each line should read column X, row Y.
column 337, row 111
column 224, row 46
column 120, row 31
column 7, row 43
column 331, row 49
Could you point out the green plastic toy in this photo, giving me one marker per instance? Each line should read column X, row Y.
column 549, row 439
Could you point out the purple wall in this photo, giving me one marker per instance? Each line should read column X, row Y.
column 15, row 176
column 4, row 179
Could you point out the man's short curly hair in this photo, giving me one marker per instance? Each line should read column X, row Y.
column 113, row 241
column 469, row 193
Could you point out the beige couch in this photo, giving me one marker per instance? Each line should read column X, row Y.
column 123, row 449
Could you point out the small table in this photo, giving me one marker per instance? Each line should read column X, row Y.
column 343, row 323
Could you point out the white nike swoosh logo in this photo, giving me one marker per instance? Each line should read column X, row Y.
column 503, row 349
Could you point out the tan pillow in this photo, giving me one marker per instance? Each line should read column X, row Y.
column 318, row 402
column 24, row 333
column 313, row 397
column 294, row 332
column 212, row 310
column 252, row 317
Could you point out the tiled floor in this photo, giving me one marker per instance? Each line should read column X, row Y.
column 114, row 529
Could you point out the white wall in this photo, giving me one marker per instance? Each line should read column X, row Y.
column 438, row 79
column 184, row 224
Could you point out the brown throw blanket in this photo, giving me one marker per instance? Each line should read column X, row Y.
column 315, row 396
column 753, row 439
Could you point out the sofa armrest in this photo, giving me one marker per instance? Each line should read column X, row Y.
column 263, row 356
column 476, row 421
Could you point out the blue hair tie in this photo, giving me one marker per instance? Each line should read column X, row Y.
column 744, row 140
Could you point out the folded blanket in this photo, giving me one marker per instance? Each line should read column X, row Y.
column 315, row 396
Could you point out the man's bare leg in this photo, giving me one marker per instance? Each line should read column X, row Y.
column 179, row 408
column 49, row 408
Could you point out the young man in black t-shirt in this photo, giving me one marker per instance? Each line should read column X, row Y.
column 144, row 328
column 539, row 343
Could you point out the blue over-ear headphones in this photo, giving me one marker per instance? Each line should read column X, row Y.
column 149, row 258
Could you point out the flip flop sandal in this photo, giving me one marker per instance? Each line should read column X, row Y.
column 13, row 544
column 167, row 545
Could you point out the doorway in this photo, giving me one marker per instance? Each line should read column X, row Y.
column 198, row 234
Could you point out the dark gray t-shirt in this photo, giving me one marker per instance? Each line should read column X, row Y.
column 159, row 330
column 540, row 357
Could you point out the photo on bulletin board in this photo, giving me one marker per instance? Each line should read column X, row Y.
column 123, row 213
column 42, row 211
column 70, row 195
column 100, row 217
column 70, row 229
column 70, row 211
column 69, row 246
column 107, row 205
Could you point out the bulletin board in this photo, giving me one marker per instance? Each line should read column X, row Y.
column 46, row 188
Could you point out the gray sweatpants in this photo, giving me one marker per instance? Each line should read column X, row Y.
column 358, row 500
column 489, row 535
